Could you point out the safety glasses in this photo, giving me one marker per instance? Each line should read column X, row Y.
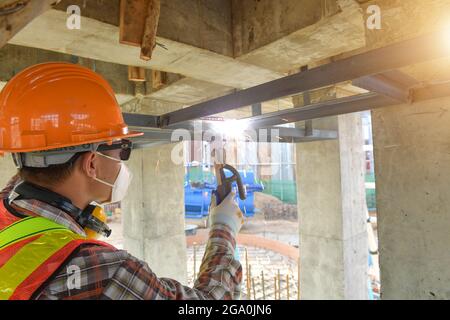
column 124, row 145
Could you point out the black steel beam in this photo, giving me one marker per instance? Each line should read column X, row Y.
column 346, row 105
column 394, row 84
column 424, row 48
column 140, row 120
column 320, row 110
column 155, row 136
column 256, row 109
column 330, row 108
column 288, row 135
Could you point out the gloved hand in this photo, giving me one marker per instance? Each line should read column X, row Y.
column 227, row 212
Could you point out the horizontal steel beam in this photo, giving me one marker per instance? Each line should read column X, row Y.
column 146, row 145
column 346, row 105
column 320, row 110
column 153, row 136
column 424, row 48
column 394, row 84
column 140, row 120
column 325, row 109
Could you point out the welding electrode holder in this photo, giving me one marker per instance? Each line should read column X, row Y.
column 225, row 184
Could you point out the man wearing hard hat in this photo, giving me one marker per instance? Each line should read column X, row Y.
column 65, row 131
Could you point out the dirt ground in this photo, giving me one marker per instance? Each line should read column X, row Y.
column 285, row 231
column 274, row 220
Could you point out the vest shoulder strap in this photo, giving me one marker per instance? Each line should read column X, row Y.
column 25, row 228
column 6, row 217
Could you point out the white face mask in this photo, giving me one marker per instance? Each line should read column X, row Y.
column 120, row 186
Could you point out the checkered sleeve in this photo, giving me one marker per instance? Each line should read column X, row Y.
column 219, row 277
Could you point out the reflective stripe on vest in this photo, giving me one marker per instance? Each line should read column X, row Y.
column 33, row 249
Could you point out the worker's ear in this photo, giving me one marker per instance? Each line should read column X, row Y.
column 89, row 163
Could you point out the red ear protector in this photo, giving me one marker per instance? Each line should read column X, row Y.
column 85, row 218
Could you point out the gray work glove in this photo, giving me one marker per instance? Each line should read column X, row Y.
column 227, row 212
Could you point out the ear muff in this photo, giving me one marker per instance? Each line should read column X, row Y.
column 96, row 224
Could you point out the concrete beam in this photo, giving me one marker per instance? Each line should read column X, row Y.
column 189, row 91
column 99, row 41
column 177, row 90
column 339, row 27
column 200, row 23
column 17, row 14
column 193, row 57
column 257, row 23
column 19, row 58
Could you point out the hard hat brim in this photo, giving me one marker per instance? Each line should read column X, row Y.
column 132, row 134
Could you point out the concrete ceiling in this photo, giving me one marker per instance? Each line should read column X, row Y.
column 202, row 39
column 220, row 46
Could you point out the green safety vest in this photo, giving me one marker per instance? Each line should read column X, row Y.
column 31, row 251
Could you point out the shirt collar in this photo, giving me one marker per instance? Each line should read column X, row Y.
column 47, row 211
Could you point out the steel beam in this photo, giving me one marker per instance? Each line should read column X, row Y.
column 346, row 105
column 424, row 48
column 324, row 109
column 394, row 84
column 140, row 120
column 256, row 109
column 153, row 136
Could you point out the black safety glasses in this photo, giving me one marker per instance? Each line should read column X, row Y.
column 124, row 145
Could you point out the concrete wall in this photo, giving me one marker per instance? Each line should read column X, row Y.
column 153, row 212
column 412, row 166
column 331, row 206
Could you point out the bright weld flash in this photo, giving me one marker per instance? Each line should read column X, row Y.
column 231, row 128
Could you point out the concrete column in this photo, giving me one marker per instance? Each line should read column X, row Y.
column 153, row 212
column 331, row 206
column 412, row 166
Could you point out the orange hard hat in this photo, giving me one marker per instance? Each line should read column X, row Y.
column 55, row 105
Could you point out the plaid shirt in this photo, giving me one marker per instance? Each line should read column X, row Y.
column 115, row 274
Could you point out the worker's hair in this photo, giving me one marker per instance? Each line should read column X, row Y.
column 52, row 174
